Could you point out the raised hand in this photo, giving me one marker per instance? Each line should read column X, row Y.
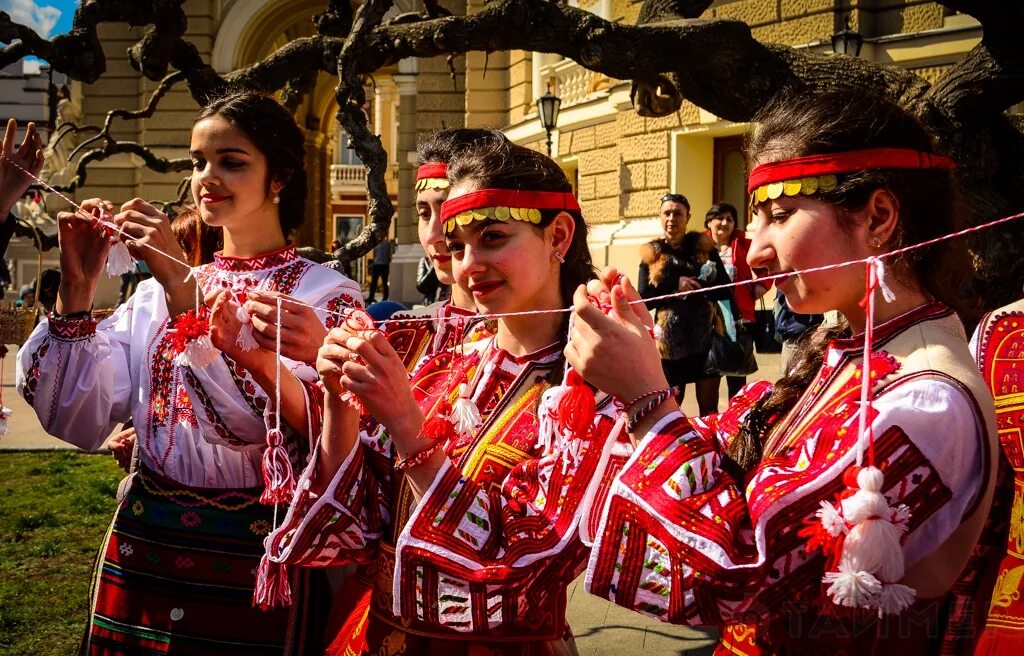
column 83, row 255
column 14, row 182
column 599, row 343
column 147, row 233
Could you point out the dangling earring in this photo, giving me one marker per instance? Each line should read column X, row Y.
column 876, row 242
column 559, row 257
column 277, row 199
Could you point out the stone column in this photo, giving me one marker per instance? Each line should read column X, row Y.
column 403, row 269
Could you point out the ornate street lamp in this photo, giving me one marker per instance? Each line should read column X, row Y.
column 547, row 107
column 847, row 41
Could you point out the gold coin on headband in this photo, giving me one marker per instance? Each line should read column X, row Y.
column 827, row 182
column 502, row 213
column 514, row 211
column 464, row 219
column 761, row 193
column 791, row 187
column 479, row 215
column 808, row 186
column 774, row 190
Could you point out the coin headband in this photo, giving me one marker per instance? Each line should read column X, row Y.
column 432, row 175
column 504, row 205
column 807, row 175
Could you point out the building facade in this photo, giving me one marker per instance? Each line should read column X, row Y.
column 620, row 163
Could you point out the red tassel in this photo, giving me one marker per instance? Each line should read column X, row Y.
column 278, row 479
column 577, row 408
column 438, row 426
column 273, row 589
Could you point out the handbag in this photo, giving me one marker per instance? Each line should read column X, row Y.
column 764, row 330
column 729, row 357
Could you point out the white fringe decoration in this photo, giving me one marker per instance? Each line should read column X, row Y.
column 198, row 353
column 465, row 414
column 119, row 260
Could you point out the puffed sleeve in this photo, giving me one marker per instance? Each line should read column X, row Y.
column 78, row 375
column 681, row 541
column 470, row 545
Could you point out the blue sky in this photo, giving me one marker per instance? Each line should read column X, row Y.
column 47, row 17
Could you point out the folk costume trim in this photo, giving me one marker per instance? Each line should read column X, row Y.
column 503, row 205
column 814, row 173
column 432, row 175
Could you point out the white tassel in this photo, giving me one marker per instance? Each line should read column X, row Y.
column 5, row 414
column 245, row 339
column 119, row 260
column 198, row 353
column 852, row 588
column 465, row 414
column 831, row 520
column 547, row 434
column 894, row 599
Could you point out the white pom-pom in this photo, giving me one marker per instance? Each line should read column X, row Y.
column 894, row 599
column 831, row 520
column 868, row 501
column 198, row 353
column 5, row 414
column 852, row 588
column 119, row 260
column 465, row 415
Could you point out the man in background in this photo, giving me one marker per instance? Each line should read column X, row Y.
column 380, row 268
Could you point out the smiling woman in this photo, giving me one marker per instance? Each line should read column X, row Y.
column 450, row 485
column 216, row 449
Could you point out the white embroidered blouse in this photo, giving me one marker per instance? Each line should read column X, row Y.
column 200, row 427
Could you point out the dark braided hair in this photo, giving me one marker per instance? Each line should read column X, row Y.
column 796, row 126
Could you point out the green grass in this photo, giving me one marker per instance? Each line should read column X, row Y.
column 54, row 510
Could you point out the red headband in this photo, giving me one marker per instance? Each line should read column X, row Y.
column 541, row 200
column 432, row 170
column 848, row 162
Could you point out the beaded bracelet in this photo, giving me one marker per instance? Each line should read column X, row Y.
column 660, row 397
column 419, row 457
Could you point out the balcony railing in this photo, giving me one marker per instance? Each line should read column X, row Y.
column 573, row 83
column 352, row 177
column 347, row 177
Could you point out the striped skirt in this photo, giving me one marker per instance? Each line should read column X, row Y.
column 176, row 575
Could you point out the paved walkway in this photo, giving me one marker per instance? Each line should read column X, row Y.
column 601, row 628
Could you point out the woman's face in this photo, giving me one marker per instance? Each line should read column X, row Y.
column 722, row 227
column 428, row 209
column 507, row 266
column 797, row 233
column 230, row 183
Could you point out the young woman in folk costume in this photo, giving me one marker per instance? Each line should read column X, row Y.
column 177, row 571
column 415, row 336
column 757, row 519
column 998, row 346
column 500, row 470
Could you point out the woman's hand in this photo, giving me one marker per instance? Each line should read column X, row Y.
column 224, row 326
column 147, row 233
column 121, row 446
column 14, row 182
column 302, row 332
column 83, row 255
column 599, row 343
column 330, row 358
column 373, row 371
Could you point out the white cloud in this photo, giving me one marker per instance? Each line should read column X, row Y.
column 31, row 14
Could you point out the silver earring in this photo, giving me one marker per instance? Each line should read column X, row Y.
column 559, row 257
column 277, row 199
